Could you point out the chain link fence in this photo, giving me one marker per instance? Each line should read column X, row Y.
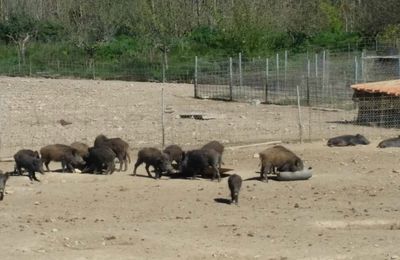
column 285, row 97
column 315, row 86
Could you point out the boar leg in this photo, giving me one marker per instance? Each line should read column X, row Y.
column 70, row 167
column 62, row 166
column 46, row 163
column 121, row 161
column 138, row 162
column 125, row 162
column 216, row 173
column 17, row 169
column 111, row 167
column 32, row 175
column 147, row 170
column 264, row 174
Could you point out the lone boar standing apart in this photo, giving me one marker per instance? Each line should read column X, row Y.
column 235, row 183
column 348, row 140
column 119, row 146
column 3, row 180
column 65, row 154
column 279, row 158
column 30, row 161
column 155, row 158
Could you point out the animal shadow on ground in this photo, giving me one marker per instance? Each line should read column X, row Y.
column 145, row 175
column 222, row 200
column 258, row 178
column 60, row 171
column 222, row 172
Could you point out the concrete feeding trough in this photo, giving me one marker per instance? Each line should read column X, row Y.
column 305, row 174
column 197, row 116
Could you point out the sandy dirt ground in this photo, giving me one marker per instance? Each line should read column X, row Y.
column 349, row 209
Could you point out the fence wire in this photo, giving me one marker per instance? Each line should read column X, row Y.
column 266, row 88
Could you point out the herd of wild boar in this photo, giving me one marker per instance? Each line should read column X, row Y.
column 205, row 161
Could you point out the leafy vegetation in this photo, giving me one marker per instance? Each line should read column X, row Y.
column 140, row 34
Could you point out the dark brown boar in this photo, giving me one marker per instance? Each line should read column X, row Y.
column 199, row 161
column 119, row 146
column 153, row 157
column 235, row 183
column 216, row 146
column 175, row 153
column 65, row 154
column 27, row 152
column 348, row 140
column 279, row 158
column 30, row 161
column 82, row 148
column 3, row 180
column 100, row 158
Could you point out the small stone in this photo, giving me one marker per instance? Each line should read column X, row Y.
column 54, row 230
column 37, row 203
column 110, row 238
column 296, row 205
column 394, row 257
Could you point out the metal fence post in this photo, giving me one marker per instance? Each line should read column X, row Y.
column 308, row 81
column 363, row 66
column 355, row 69
column 240, row 70
column 94, row 70
column 267, row 79
column 323, row 68
column 230, row 79
column 316, row 65
column 398, row 61
column 299, row 110
column 162, row 119
column 277, row 70
column 286, row 65
column 163, row 72
column 195, row 76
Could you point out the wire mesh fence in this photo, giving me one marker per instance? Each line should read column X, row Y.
column 315, row 87
column 306, row 97
column 324, row 78
column 32, row 109
column 128, row 70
